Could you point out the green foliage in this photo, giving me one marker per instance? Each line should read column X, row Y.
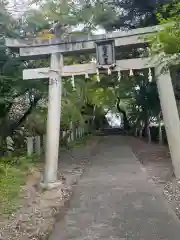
column 166, row 43
column 18, row 98
column 24, row 103
column 95, row 13
column 11, row 179
column 121, row 14
column 142, row 104
column 13, row 175
column 101, row 96
column 80, row 142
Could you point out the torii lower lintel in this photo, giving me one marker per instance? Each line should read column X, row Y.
column 89, row 68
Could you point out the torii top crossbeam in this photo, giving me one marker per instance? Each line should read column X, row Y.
column 34, row 47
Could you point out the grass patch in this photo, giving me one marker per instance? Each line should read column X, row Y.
column 13, row 175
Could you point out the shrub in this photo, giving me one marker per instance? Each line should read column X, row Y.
column 13, row 175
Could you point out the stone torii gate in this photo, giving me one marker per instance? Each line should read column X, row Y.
column 106, row 47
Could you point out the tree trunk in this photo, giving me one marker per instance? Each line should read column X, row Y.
column 141, row 129
column 160, row 130
column 125, row 119
column 148, row 133
column 64, row 140
column 136, row 132
column 140, row 132
column 2, row 146
column 7, row 127
column 147, row 128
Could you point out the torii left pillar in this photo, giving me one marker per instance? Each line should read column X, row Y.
column 53, row 119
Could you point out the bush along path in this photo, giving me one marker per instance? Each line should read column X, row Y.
column 14, row 172
column 38, row 208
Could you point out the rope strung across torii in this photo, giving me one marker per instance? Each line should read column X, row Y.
column 86, row 74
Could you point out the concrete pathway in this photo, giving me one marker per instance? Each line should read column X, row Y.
column 115, row 201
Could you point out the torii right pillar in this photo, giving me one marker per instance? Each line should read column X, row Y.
column 170, row 116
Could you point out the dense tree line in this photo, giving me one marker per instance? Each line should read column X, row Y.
column 23, row 103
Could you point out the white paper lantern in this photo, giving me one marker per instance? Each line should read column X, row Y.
column 72, row 82
column 131, row 74
column 119, row 76
column 109, row 71
column 150, row 75
column 97, row 75
column 86, row 75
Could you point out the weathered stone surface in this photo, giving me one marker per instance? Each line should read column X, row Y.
column 35, row 47
column 76, row 39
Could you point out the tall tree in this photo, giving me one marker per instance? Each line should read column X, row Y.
column 121, row 14
column 165, row 45
column 17, row 97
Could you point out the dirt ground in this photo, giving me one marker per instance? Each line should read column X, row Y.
column 39, row 208
column 157, row 162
